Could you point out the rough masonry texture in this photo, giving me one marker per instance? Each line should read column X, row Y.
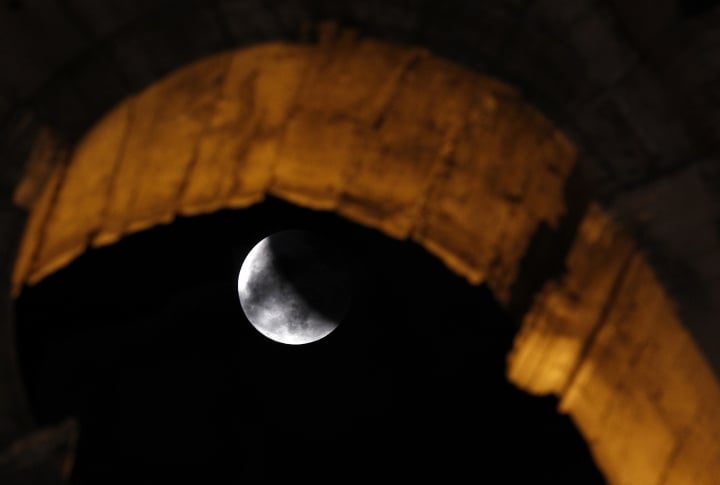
column 419, row 148
column 633, row 83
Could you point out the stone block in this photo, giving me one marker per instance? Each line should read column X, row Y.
column 73, row 201
column 561, row 322
column 616, row 409
column 161, row 146
column 236, row 154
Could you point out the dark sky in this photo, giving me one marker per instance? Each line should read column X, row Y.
column 146, row 343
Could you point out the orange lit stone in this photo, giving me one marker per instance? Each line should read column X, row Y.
column 414, row 146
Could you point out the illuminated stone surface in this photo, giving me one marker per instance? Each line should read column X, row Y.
column 368, row 130
column 401, row 156
column 607, row 340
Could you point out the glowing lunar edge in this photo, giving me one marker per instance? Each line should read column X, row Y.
column 271, row 300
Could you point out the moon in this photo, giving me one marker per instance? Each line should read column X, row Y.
column 294, row 287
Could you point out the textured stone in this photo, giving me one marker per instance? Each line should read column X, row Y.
column 33, row 240
column 555, row 331
column 308, row 176
column 390, row 181
column 505, row 157
column 627, row 136
column 679, row 231
column 365, row 76
column 608, row 341
column 161, row 134
column 236, row 153
column 696, row 456
column 36, row 193
column 47, row 154
column 73, row 204
column 621, row 396
column 377, row 136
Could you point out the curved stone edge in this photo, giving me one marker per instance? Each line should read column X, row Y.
column 387, row 136
column 607, row 340
column 440, row 209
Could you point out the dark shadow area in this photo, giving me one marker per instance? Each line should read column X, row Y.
column 694, row 8
column 146, row 343
column 318, row 269
column 544, row 259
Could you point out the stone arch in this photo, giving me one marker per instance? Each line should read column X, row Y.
column 418, row 147
column 632, row 84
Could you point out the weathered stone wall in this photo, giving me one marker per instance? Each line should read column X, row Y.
column 417, row 147
column 607, row 340
column 632, row 82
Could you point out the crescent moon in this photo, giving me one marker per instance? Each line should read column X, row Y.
column 291, row 288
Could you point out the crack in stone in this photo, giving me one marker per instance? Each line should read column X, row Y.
column 630, row 259
column 176, row 206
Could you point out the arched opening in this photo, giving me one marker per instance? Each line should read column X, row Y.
column 144, row 342
column 418, row 148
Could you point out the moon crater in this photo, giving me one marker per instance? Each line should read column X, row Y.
column 294, row 287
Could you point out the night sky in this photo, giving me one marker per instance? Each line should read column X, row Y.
column 146, row 343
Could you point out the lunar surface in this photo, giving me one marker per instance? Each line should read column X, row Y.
column 294, row 287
